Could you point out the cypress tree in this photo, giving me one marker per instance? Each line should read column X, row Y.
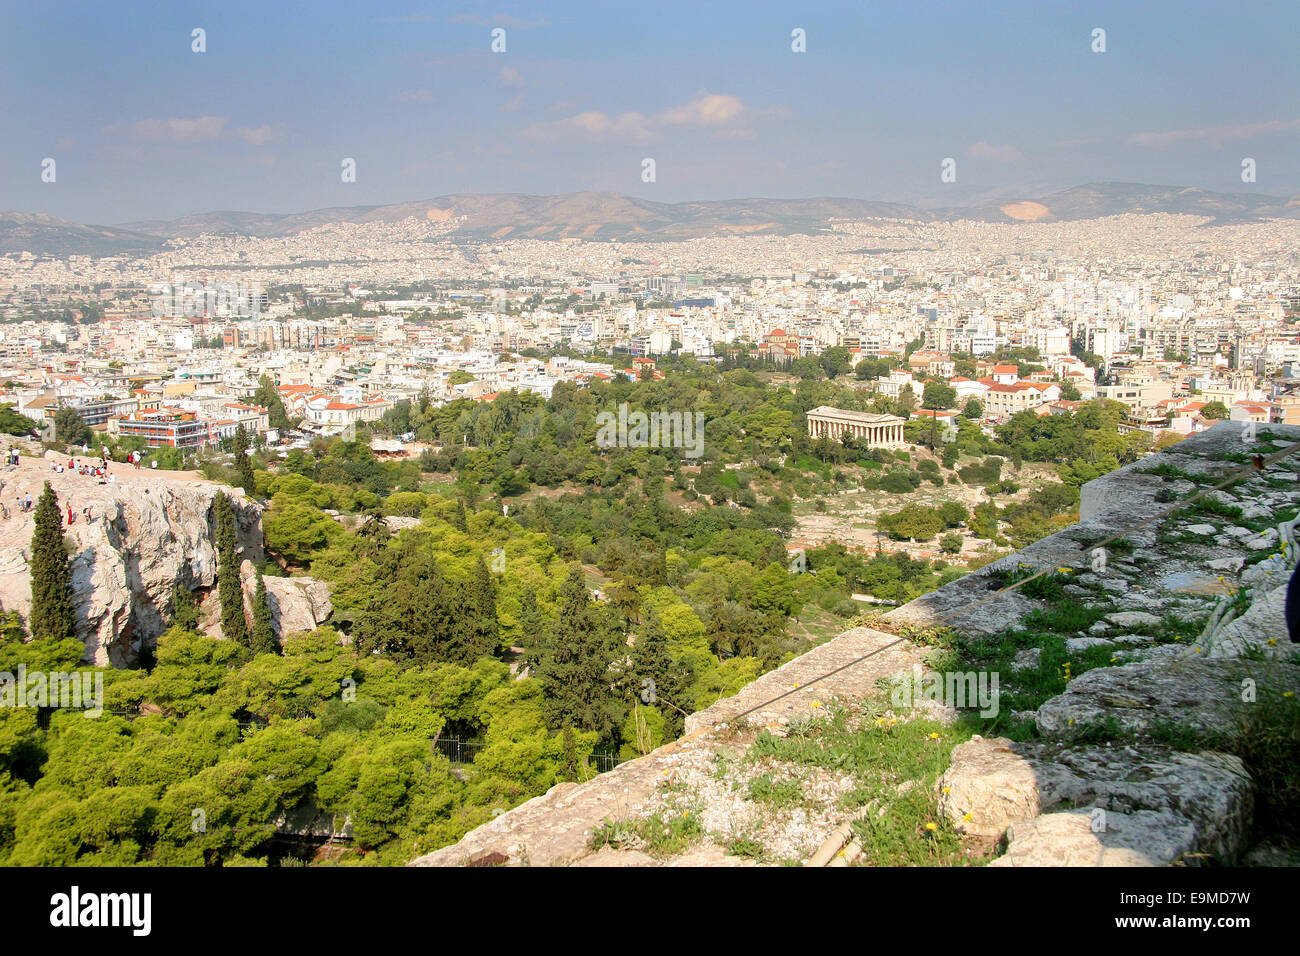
column 532, row 628
column 575, row 664
column 477, row 633
column 461, row 523
column 244, row 464
column 413, row 615
column 653, row 662
column 263, row 633
column 52, row 616
column 229, row 589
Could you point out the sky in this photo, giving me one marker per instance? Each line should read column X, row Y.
column 140, row 126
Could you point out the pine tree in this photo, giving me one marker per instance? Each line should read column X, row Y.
column 243, row 463
column 229, row 588
column 659, row 680
column 575, row 664
column 461, row 523
column 52, row 616
column 263, row 641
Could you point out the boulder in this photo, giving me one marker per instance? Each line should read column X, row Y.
column 1145, row 838
column 993, row 784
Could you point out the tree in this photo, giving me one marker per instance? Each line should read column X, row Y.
column 950, row 543
column 575, row 667
column 915, row 522
column 478, row 634
column 836, row 360
column 52, row 616
column 230, row 590
column 268, row 397
column 415, row 615
column 973, row 409
column 938, row 396
column 263, row 641
column 906, row 401
column 243, row 463
column 1215, row 410
column 1070, row 392
column 532, row 627
column 70, row 428
column 657, row 678
column 11, row 423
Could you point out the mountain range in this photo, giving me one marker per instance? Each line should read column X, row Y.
column 612, row 216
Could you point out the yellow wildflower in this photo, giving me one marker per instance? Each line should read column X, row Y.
column 932, row 826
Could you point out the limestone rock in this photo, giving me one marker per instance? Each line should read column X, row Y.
column 1145, row 838
column 993, row 784
column 1076, row 644
column 1263, row 621
column 1189, row 692
column 1133, row 618
column 147, row 535
column 297, row 604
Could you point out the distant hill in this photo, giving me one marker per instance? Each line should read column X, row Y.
column 50, row 236
column 610, row 216
column 1112, row 199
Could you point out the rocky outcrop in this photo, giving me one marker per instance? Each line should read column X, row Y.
column 146, row 535
column 297, row 604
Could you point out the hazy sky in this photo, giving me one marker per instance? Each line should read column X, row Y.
column 141, row 127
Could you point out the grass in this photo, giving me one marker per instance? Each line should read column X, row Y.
column 896, row 764
column 777, row 793
column 665, row 833
column 1065, row 618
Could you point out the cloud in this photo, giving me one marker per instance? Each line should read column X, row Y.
column 1214, row 135
column 595, row 126
column 499, row 20
column 1002, row 154
column 200, row 129
column 190, row 130
column 707, row 109
column 257, row 136
column 721, row 113
column 414, row 96
column 510, row 77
